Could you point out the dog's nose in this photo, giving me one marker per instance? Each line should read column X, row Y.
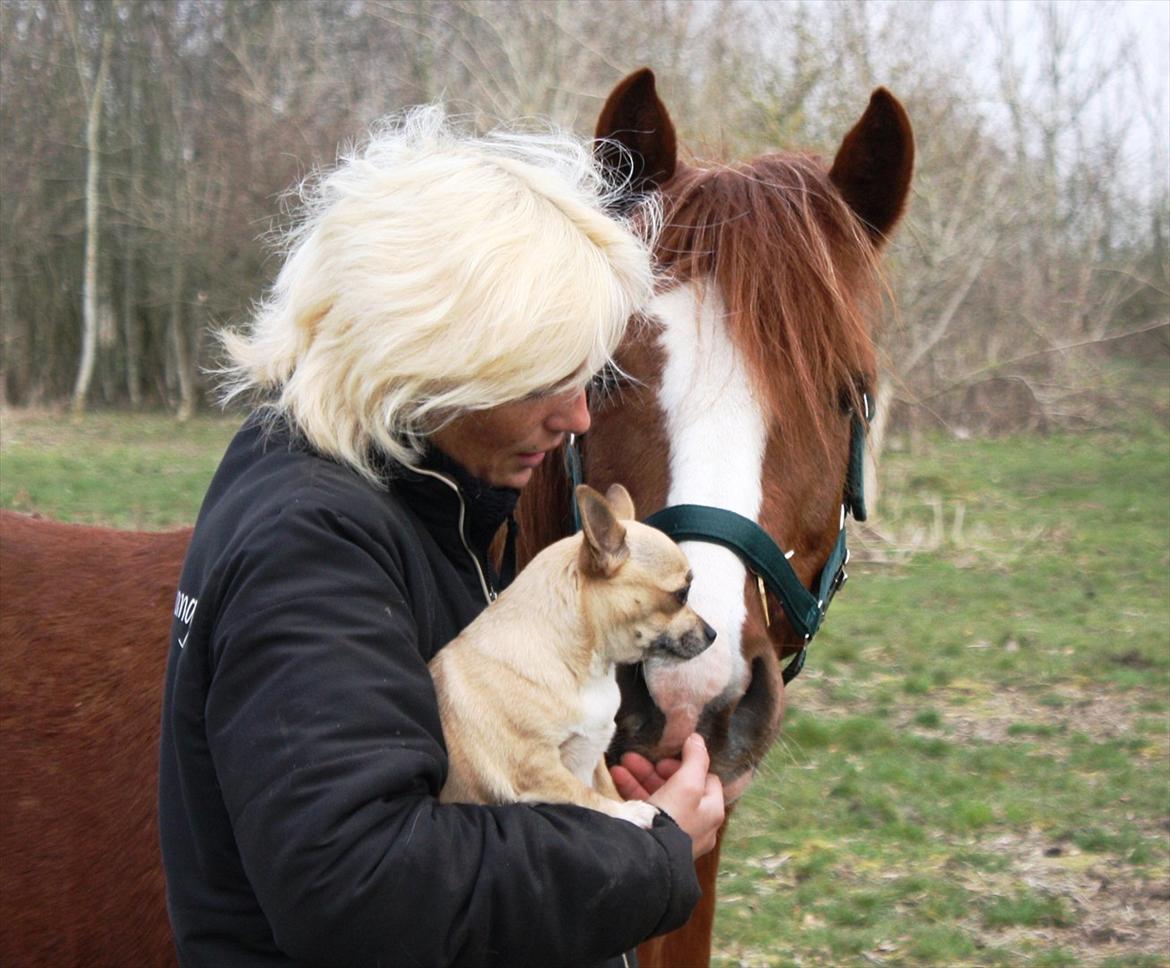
column 708, row 633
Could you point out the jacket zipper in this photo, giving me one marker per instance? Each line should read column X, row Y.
column 489, row 593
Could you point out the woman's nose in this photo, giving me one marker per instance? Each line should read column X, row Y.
column 570, row 415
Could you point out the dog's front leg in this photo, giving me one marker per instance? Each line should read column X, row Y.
column 603, row 782
column 551, row 782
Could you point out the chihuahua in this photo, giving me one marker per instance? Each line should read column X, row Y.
column 528, row 692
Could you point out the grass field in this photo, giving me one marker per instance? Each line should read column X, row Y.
column 140, row 471
column 975, row 768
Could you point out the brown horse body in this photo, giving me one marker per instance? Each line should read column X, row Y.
column 784, row 249
column 84, row 614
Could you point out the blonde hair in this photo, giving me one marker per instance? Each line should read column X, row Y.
column 432, row 273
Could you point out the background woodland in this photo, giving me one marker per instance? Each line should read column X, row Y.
column 147, row 146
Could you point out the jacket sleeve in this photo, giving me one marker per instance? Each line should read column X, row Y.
column 323, row 727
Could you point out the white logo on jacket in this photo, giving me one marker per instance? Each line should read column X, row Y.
column 185, row 606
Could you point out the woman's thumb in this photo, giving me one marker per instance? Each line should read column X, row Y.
column 695, row 759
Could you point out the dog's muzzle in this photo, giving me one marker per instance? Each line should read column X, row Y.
column 685, row 646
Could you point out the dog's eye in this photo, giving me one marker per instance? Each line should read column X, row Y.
column 681, row 595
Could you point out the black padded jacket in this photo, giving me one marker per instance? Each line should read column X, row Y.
column 302, row 754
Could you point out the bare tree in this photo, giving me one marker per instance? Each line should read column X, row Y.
column 1028, row 231
column 93, row 82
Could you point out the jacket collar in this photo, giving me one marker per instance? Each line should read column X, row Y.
column 485, row 507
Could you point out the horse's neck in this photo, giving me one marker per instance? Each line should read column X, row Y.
column 544, row 509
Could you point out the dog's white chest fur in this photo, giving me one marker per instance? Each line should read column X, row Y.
column 589, row 738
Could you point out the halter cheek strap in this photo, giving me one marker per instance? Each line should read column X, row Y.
column 805, row 609
column 855, row 475
column 575, row 476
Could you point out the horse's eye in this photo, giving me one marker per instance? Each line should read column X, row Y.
column 602, row 381
column 607, row 382
column 853, row 399
column 681, row 595
column 845, row 400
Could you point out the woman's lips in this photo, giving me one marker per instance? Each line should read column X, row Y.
column 531, row 459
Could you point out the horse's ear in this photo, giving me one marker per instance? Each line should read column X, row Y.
column 635, row 119
column 874, row 163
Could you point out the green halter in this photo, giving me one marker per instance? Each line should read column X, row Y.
column 805, row 609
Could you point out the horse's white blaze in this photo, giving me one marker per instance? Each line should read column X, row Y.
column 717, row 434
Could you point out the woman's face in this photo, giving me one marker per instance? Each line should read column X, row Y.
column 503, row 446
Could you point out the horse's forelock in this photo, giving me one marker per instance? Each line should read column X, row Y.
column 797, row 273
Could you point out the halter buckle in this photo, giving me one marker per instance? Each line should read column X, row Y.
column 764, row 600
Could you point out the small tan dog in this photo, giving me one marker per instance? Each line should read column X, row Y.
column 528, row 693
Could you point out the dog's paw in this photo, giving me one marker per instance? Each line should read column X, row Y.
column 638, row 812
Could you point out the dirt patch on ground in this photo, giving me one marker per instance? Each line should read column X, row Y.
column 1116, row 911
column 972, row 711
column 996, row 716
column 1104, row 907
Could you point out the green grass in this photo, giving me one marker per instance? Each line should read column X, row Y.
column 138, row 471
column 975, row 768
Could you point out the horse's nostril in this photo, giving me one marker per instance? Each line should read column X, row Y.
column 708, row 633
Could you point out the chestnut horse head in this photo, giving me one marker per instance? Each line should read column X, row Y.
column 740, row 389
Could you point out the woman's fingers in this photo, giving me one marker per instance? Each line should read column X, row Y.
column 694, row 797
column 636, row 778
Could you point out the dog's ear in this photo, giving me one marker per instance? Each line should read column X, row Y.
column 621, row 502
column 604, row 548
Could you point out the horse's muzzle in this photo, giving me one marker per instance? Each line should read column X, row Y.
column 737, row 733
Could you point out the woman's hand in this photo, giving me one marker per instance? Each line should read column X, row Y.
column 684, row 789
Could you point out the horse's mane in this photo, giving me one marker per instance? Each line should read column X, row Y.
column 797, row 272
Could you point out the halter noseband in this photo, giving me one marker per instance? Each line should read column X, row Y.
column 804, row 609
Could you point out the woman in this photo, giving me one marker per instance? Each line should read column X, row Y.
column 426, row 344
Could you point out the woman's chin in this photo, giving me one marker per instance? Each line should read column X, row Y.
column 519, row 479
column 519, row 470
column 514, row 477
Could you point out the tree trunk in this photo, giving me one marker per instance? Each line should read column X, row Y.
column 130, row 324
column 883, row 399
column 89, row 310
column 179, row 342
column 131, row 327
